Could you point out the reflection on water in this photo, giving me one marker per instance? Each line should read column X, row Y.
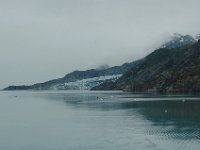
column 178, row 119
column 116, row 121
column 172, row 116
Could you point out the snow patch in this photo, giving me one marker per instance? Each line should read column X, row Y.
column 87, row 84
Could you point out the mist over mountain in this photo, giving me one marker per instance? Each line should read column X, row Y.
column 179, row 40
column 103, row 67
column 137, row 74
column 197, row 37
column 164, row 70
column 46, row 39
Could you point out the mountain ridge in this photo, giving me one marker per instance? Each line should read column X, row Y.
column 164, row 70
column 59, row 84
column 105, row 77
column 179, row 40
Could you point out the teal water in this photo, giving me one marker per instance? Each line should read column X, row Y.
column 78, row 120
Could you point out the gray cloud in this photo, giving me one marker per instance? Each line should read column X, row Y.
column 45, row 39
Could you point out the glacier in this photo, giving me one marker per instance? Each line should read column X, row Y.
column 86, row 84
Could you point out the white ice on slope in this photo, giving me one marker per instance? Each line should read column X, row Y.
column 87, row 84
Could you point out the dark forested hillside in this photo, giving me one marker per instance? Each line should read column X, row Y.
column 164, row 70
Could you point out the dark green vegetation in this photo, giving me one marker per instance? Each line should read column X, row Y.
column 164, row 70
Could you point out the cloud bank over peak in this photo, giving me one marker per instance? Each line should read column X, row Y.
column 45, row 39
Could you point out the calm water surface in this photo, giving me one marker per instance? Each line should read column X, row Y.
column 77, row 120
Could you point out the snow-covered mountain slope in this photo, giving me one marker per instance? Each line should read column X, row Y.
column 89, row 83
column 197, row 37
column 178, row 40
column 85, row 84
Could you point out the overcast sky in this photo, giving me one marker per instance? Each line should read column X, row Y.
column 46, row 39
